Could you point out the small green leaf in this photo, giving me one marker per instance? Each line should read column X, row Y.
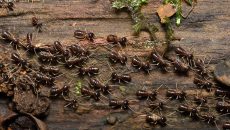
column 134, row 4
column 178, row 19
column 137, row 27
column 78, row 88
column 122, row 89
column 118, row 5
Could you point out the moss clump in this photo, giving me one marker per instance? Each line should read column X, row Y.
column 140, row 21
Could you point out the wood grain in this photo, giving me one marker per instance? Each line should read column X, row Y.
column 206, row 31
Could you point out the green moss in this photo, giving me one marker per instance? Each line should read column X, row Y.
column 140, row 21
column 135, row 4
column 177, row 4
column 78, row 88
column 178, row 16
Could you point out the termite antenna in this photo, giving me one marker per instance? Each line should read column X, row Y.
column 101, row 100
column 159, row 87
column 172, row 113
column 132, row 110
column 104, row 97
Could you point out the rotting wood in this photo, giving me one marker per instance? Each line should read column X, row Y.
column 206, row 32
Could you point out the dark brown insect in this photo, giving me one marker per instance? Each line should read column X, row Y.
column 176, row 94
column 184, row 54
column 16, row 59
column 79, row 34
column 160, row 62
column 59, row 49
column 141, row 65
column 154, row 119
column 10, row 6
column 8, row 37
column 47, row 48
column 123, row 41
column 222, row 93
column 188, row 110
column 180, row 67
column 44, row 79
column 115, row 57
column 71, row 63
column 96, row 84
column 4, row 78
column 154, row 106
column 200, row 67
column 73, row 104
column 54, row 91
column 226, row 126
column 88, row 71
column 77, row 50
column 7, row 5
column 199, row 100
column 29, row 47
column 123, row 104
column 113, row 39
column 93, row 94
column 203, row 83
column 47, row 57
column 209, row 118
column 125, row 78
column 144, row 94
column 223, row 107
column 38, row 25
column 54, row 71
column 7, row 79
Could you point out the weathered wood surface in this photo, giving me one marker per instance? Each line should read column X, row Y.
column 206, row 31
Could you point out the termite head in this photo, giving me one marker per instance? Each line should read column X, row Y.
column 114, row 75
column 146, row 66
column 123, row 59
column 10, row 6
column 213, row 118
column 154, row 93
column 190, row 56
column 106, row 88
column 163, row 119
column 125, row 104
column 161, row 105
column 24, row 62
column 194, row 111
column 149, row 118
column 91, row 36
column 97, row 94
column 209, row 84
column 123, row 41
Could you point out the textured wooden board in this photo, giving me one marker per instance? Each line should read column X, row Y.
column 206, row 31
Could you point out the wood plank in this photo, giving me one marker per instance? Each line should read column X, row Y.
column 206, row 31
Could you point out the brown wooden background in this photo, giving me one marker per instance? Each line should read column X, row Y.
column 206, row 31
